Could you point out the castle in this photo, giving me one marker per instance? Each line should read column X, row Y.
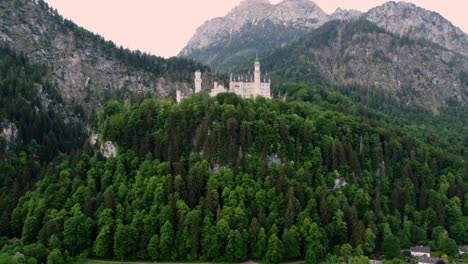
column 246, row 86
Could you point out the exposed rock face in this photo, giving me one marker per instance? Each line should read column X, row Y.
column 345, row 14
column 256, row 26
column 418, row 23
column 108, row 149
column 84, row 71
column 360, row 53
column 9, row 132
column 302, row 13
column 413, row 56
column 253, row 26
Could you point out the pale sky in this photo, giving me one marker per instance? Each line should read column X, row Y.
column 163, row 27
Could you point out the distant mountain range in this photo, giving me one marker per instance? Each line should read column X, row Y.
column 414, row 54
column 360, row 53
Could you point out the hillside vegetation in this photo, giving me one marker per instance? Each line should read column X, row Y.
column 35, row 126
column 226, row 179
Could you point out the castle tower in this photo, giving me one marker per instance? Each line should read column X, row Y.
column 257, row 72
column 178, row 96
column 198, row 81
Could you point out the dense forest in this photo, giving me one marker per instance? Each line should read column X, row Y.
column 227, row 179
column 325, row 174
column 40, row 127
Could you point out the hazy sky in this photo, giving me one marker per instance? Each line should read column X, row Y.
column 163, row 27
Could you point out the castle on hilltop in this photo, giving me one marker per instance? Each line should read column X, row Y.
column 246, row 86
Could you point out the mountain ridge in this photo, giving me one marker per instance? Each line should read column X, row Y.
column 304, row 12
column 360, row 53
column 397, row 17
column 419, row 23
column 407, row 24
column 86, row 68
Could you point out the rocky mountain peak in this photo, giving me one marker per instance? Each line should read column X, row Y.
column 297, row 3
column 345, row 14
column 295, row 13
column 407, row 19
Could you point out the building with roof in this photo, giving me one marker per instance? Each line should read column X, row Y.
column 463, row 250
column 217, row 89
column 429, row 260
column 246, row 86
column 419, row 251
column 251, row 85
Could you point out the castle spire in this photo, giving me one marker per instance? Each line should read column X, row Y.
column 257, row 72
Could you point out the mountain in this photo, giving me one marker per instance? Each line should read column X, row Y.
column 256, row 26
column 345, row 14
column 253, row 26
column 84, row 67
column 361, row 53
column 407, row 19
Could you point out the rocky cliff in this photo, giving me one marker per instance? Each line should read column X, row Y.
column 406, row 19
column 360, row 53
column 258, row 26
column 86, row 68
column 253, row 26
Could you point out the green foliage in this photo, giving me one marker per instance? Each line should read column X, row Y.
column 103, row 243
column 153, row 248
column 33, row 110
column 360, row 260
column 77, row 231
column 124, row 242
column 224, row 179
column 291, row 243
column 391, row 247
column 346, row 252
column 166, row 241
column 275, row 250
column 446, row 245
column 55, row 257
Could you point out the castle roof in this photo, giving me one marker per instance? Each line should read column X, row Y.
column 421, row 249
column 264, row 78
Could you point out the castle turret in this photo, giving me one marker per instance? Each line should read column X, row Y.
column 257, row 72
column 198, row 81
column 178, row 96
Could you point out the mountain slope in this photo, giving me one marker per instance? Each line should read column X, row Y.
column 35, row 126
column 253, row 26
column 360, row 53
column 86, row 68
column 345, row 14
column 407, row 19
column 258, row 26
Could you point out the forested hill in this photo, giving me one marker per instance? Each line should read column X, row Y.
column 86, row 68
column 226, row 179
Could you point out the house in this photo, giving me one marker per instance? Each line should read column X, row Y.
column 463, row 250
column 419, row 251
column 372, row 261
column 429, row 260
